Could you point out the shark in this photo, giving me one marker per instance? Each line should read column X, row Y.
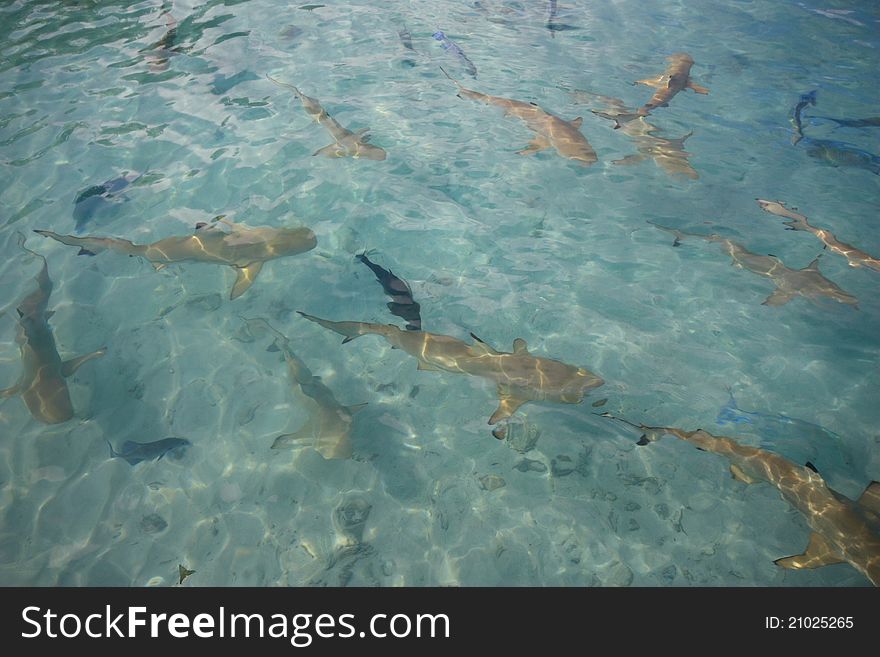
column 520, row 377
column 667, row 153
column 842, row 530
column 243, row 248
column 42, row 385
column 675, row 78
column 790, row 283
column 345, row 142
column 797, row 221
column 550, row 130
column 329, row 426
column 834, row 153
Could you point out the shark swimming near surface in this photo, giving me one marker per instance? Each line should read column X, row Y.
column 42, row 384
column 243, row 248
column 843, row 530
column 520, row 376
column 835, row 153
column 667, row 153
column 329, row 426
column 551, row 131
column 345, row 142
column 797, row 221
column 402, row 303
column 674, row 79
column 790, row 283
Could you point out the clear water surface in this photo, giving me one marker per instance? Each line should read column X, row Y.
column 492, row 242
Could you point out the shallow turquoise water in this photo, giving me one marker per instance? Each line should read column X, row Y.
column 491, row 242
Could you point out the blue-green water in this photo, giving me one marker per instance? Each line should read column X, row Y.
column 491, row 242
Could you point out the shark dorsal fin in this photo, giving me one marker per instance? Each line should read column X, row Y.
column 870, row 499
column 577, row 122
column 520, row 346
column 818, row 553
column 483, row 345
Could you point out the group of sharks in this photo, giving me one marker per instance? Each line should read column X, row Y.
column 844, row 530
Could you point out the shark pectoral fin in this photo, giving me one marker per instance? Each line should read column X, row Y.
column 870, row 499
column 427, row 367
column 362, row 135
column 330, row 150
column 697, row 88
column 520, row 346
column 631, row 159
column 539, row 143
column 245, row 277
column 818, row 553
column 356, row 407
column 507, row 407
column 739, row 475
column 68, row 367
column 11, row 391
column 778, row 298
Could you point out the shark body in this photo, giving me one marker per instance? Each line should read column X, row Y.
column 797, row 221
column 674, row 79
column 790, row 283
column 345, row 142
column 843, row 530
column 243, row 248
column 520, row 377
column 42, row 384
column 550, row 130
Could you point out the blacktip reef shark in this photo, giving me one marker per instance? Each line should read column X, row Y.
column 843, row 530
column 807, row 282
column 668, row 154
column 551, row 131
column 42, row 385
column 243, row 248
column 329, row 426
column 835, row 153
column 345, row 142
column 520, row 376
column 675, row 78
column 855, row 257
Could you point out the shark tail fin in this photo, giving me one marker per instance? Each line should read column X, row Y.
column 350, row 330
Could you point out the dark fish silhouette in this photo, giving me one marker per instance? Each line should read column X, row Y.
column 98, row 198
column 402, row 303
column 183, row 572
column 870, row 122
column 835, row 153
column 134, row 452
